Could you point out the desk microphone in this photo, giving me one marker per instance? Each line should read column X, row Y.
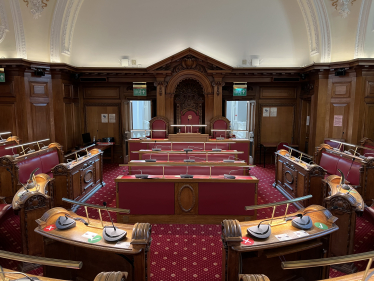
column 232, row 177
column 150, row 158
column 112, row 233
column 217, row 149
column 228, row 160
column 155, row 148
column 193, row 160
column 141, row 175
column 186, row 175
column 220, row 137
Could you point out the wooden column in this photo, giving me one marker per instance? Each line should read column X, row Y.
column 161, row 101
column 217, row 93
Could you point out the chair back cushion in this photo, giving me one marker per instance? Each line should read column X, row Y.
column 354, row 172
column 49, row 161
column 194, row 121
column 158, row 125
column 26, row 166
column 281, row 146
column 219, row 125
column 329, row 162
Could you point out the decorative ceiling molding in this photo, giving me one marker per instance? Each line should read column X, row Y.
column 311, row 25
column 18, row 29
column 4, row 28
column 361, row 29
column 56, row 30
column 70, row 19
column 36, row 7
column 324, row 30
column 343, row 6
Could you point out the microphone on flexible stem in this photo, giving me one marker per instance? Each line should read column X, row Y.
column 305, row 222
column 141, row 175
column 193, row 160
column 232, row 177
column 116, row 234
column 150, row 159
column 229, row 160
column 186, row 175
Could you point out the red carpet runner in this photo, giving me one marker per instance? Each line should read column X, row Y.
column 184, row 252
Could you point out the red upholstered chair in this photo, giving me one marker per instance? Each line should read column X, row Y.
column 5, row 210
column 189, row 117
column 219, row 123
column 366, row 142
column 281, row 145
column 159, row 123
column 334, row 144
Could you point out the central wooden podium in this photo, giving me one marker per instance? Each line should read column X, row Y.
column 189, row 137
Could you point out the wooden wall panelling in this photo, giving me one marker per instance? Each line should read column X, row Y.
column 338, row 111
column 279, row 128
column 278, row 93
column 40, row 112
column 319, row 109
column 95, row 127
column 368, row 106
column 101, row 92
column 209, row 114
column 304, row 128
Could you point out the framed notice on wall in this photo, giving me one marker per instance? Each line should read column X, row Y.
column 273, row 112
column 112, row 118
column 338, row 120
column 104, row 118
column 266, row 112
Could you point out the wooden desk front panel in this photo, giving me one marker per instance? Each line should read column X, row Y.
column 293, row 180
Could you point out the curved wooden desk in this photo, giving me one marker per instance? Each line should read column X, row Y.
column 344, row 205
column 257, row 256
column 97, row 255
column 172, row 199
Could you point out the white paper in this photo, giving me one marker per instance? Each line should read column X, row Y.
column 112, row 118
column 266, row 112
column 124, row 245
column 273, row 112
column 104, row 118
column 89, row 235
column 282, row 237
column 338, row 120
column 307, row 120
column 301, row 233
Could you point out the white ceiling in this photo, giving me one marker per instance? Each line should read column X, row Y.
column 100, row 33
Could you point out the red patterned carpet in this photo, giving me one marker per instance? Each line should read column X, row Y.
column 184, row 252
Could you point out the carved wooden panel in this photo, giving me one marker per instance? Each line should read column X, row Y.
column 41, row 123
column 277, row 93
column 369, row 121
column 338, row 111
column 8, row 118
column 279, row 128
column 7, row 89
column 77, row 123
column 186, row 198
column 68, row 91
column 341, row 90
column 101, row 92
column 369, row 87
column 69, row 121
column 38, row 90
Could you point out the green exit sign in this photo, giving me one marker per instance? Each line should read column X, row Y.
column 2, row 77
column 240, row 92
column 140, row 92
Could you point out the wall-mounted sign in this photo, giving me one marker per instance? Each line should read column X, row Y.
column 307, row 120
column 2, row 77
column 240, row 89
column 273, row 112
column 104, row 118
column 112, row 118
column 266, row 112
column 338, row 120
column 140, row 89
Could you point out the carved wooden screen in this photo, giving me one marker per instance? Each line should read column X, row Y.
column 189, row 97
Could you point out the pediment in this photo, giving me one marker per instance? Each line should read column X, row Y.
column 189, row 59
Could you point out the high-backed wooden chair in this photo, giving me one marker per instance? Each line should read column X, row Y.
column 219, row 123
column 190, row 117
column 159, row 126
column 367, row 143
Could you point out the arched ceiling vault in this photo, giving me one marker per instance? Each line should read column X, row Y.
column 99, row 33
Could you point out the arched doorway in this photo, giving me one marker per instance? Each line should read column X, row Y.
column 189, row 104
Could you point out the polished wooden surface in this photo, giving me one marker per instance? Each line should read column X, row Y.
column 188, row 137
column 78, row 180
column 96, row 257
column 262, row 255
column 182, row 163
column 177, row 178
column 295, row 178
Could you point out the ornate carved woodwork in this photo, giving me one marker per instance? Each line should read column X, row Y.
column 9, row 169
column 344, row 205
column 296, row 179
column 189, row 96
column 78, row 181
column 30, row 205
column 366, row 170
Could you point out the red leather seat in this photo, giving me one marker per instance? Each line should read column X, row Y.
column 4, row 151
column 159, row 125
column 219, row 125
column 4, row 211
column 281, row 145
column 354, row 172
column 329, row 162
column 27, row 166
column 49, row 161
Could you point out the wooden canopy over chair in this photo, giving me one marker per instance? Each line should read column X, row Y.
column 219, row 123
column 157, row 124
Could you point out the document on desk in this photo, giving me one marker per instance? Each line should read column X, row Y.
column 89, row 235
column 283, row 237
